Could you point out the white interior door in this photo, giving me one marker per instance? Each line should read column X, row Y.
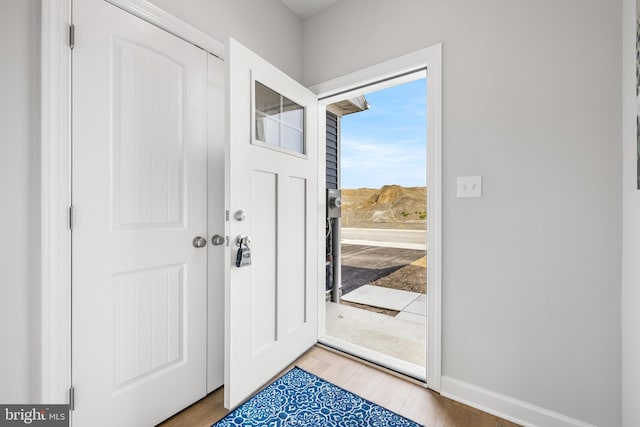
column 139, row 333
column 271, row 305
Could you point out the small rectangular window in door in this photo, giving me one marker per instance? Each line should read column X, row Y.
column 279, row 121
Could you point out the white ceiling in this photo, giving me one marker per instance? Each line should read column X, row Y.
column 307, row 8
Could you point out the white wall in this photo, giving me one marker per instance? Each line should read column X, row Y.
column 531, row 273
column 631, row 228
column 266, row 26
column 19, row 207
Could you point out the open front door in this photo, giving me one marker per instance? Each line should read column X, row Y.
column 271, row 196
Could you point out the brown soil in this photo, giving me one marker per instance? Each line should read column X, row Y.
column 409, row 278
column 380, row 310
column 392, row 206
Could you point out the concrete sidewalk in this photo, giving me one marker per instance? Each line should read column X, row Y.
column 399, row 338
column 386, row 238
column 411, row 305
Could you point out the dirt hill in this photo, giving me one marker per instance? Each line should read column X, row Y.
column 392, row 206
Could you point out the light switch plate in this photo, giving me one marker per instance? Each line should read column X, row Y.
column 469, row 187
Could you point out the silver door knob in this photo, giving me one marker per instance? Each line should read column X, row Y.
column 217, row 240
column 199, row 242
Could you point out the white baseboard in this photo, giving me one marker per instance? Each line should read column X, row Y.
column 506, row 407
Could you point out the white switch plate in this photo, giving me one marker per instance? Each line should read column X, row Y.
column 469, row 187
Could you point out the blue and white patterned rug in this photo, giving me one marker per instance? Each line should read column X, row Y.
column 299, row 398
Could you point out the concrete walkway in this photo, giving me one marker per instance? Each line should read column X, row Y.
column 411, row 305
column 397, row 342
column 393, row 336
column 402, row 337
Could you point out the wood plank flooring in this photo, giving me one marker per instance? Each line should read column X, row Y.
column 404, row 397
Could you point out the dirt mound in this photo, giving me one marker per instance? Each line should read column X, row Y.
column 356, row 196
column 392, row 206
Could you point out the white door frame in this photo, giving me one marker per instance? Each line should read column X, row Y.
column 56, row 178
column 365, row 80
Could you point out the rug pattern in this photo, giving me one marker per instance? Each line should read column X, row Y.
column 299, row 398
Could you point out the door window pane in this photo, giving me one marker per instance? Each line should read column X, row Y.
column 292, row 114
column 292, row 139
column 267, row 101
column 271, row 132
column 278, row 120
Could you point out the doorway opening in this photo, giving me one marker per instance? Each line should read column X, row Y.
column 376, row 303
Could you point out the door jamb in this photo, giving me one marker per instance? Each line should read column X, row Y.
column 55, row 202
column 358, row 83
column 55, row 167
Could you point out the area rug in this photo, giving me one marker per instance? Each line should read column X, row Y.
column 299, row 398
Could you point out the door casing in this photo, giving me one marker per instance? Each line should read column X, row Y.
column 368, row 80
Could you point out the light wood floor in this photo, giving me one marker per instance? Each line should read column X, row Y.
column 406, row 398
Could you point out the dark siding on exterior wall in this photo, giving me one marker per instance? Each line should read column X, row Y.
column 332, row 183
column 332, row 150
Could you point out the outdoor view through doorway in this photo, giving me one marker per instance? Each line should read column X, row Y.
column 377, row 309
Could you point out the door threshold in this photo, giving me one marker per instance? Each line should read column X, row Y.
column 393, row 365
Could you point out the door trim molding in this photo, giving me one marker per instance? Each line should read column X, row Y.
column 55, row 199
column 365, row 80
column 55, row 167
column 164, row 20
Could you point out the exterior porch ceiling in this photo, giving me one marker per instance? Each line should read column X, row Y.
column 353, row 105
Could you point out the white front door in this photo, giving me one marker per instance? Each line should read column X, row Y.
column 139, row 337
column 272, row 197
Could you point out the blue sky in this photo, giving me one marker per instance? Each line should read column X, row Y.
column 387, row 143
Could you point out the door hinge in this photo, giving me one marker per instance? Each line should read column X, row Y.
column 72, row 36
column 226, row 215
column 72, row 398
column 72, row 217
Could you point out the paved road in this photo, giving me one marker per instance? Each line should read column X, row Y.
column 404, row 239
